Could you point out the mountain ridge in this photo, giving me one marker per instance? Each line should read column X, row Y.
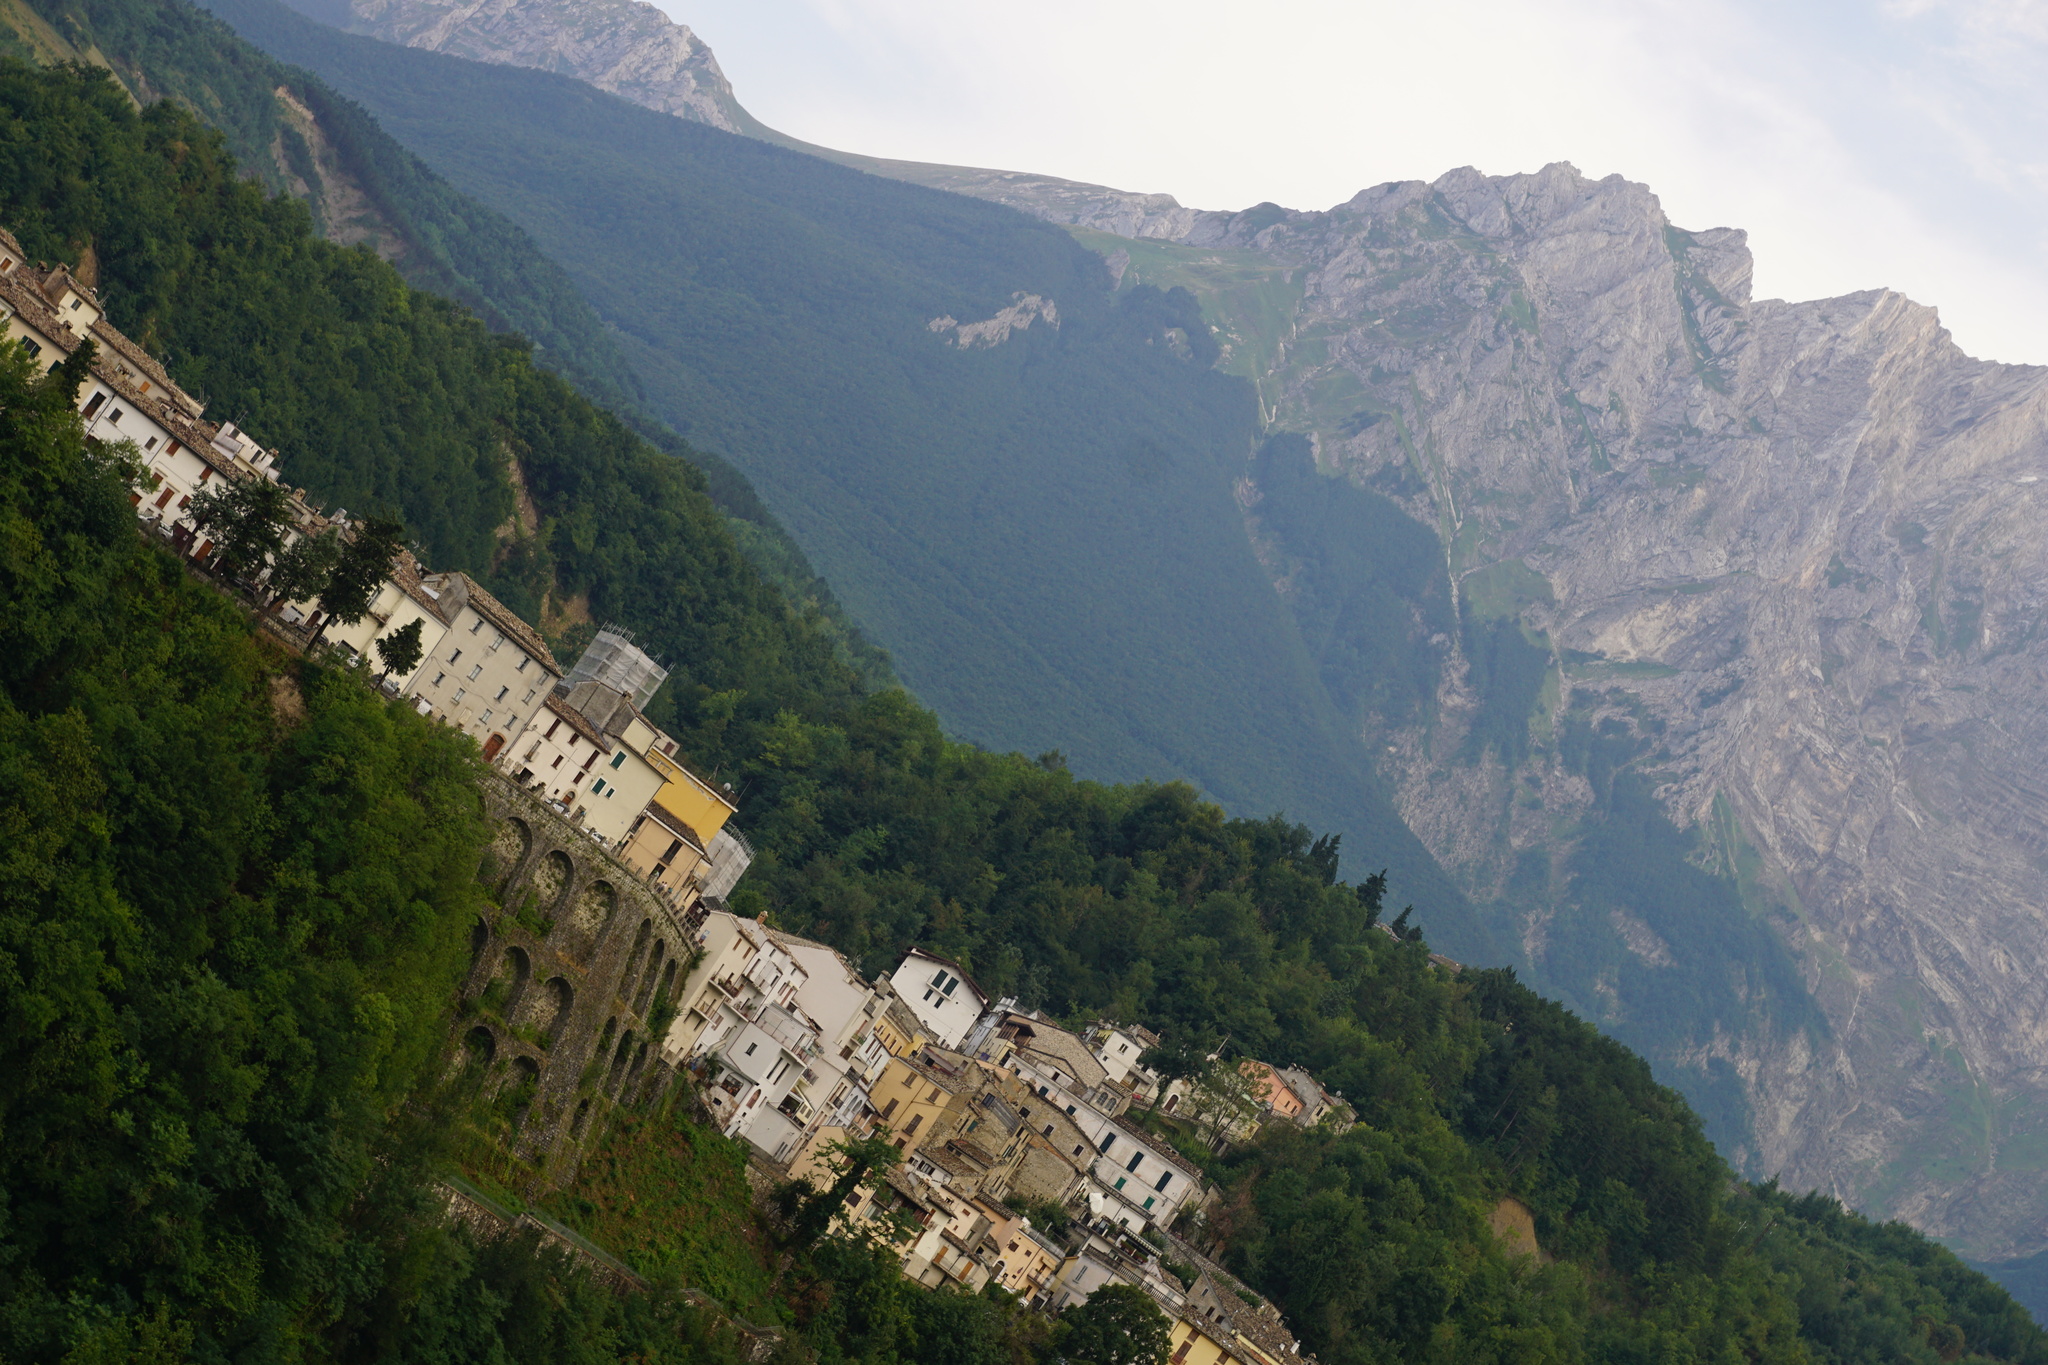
column 1612, row 441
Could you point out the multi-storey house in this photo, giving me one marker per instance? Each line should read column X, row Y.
column 490, row 672
column 939, row 992
column 738, row 1009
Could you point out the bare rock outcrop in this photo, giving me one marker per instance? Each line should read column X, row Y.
column 1791, row 551
column 627, row 47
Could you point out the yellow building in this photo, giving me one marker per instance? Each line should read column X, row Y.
column 899, row 1029
column 911, row 1099
column 701, row 807
column 1195, row 1341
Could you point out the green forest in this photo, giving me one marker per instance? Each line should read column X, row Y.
column 1041, row 532
column 784, row 315
column 239, row 888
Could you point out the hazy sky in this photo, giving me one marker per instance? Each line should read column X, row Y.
column 1863, row 143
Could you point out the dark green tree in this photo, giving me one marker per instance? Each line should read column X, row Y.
column 1118, row 1325
column 361, row 568
column 854, row 1162
column 400, row 650
column 247, row 520
column 302, row 571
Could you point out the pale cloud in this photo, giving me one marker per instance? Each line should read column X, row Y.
column 1867, row 143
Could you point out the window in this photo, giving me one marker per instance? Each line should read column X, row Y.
column 440, row 678
column 1070, row 1109
column 1119, row 1183
column 751, row 1047
column 461, row 692
column 916, row 1121
column 476, row 625
column 486, row 719
column 1048, row 1130
column 552, row 728
column 1164, row 1181
column 114, row 418
column 93, row 404
column 150, row 444
column 497, row 638
column 523, row 662
column 528, row 697
column 454, row 656
column 501, row 694
column 619, row 759
column 1108, row 1141
column 1132, row 1164
column 33, row 348
column 474, row 670
column 597, row 787
column 890, row 1108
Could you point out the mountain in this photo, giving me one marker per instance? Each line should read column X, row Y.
column 227, row 1000
column 1023, row 476
column 1726, row 698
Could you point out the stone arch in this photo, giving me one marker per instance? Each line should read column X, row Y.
column 479, row 1047
column 508, row 983
column 639, row 1064
column 547, row 1009
column 583, row 926
column 633, row 962
column 550, row 879
column 648, row 977
column 581, row 1121
column 522, row 1084
column 667, row 993
column 479, row 939
column 619, row 1058
column 509, row 843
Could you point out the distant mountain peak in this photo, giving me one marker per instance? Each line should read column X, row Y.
column 626, row 47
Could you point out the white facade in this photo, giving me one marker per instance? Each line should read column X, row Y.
column 490, row 673
column 938, row 992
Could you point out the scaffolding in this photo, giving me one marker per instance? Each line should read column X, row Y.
column 614, row 660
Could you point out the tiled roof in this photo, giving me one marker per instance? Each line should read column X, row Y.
column 668, row 820
column 509, row 621
column 576, row 721
column 965, row 975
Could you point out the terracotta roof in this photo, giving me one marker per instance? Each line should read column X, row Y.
column 114, row 339
column 405, row 572
column 965, row 975
column 663, row 816
column 577, row 722
column 509, row 621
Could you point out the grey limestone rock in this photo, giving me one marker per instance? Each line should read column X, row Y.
column 1799, row 544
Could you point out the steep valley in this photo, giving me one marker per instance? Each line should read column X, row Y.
column 1714, row 673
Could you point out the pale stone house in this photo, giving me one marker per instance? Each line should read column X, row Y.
column 938, row 991
column 491, row 671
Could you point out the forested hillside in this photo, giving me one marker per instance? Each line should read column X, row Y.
column 1042, row 531
column 236, row 890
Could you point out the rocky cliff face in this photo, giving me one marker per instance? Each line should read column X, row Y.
column 1742, row 722
column 627, row 47
column 1784, row 560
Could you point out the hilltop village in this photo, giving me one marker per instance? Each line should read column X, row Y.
column 1035, row 1157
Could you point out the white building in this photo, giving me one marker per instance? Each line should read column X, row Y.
column 939, row 993
column 491, row 671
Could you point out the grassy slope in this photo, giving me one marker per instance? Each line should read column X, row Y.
column 1041, row 533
